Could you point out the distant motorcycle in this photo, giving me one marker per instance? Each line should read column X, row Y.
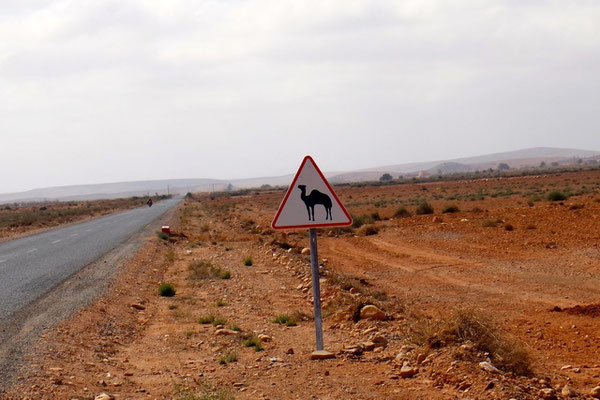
column 149, row 202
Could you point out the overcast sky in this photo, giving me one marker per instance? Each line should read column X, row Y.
column 99, row 91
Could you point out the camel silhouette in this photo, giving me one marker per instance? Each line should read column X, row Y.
column 315, row 197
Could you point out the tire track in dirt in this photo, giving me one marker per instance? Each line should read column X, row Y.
column 401, row 264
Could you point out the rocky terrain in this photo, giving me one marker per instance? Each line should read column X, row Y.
column 490, row 294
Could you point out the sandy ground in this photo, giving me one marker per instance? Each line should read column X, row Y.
column 509, row 259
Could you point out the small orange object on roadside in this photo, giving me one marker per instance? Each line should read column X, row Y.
column 166, row 229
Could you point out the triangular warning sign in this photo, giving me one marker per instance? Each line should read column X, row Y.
column 310, row 202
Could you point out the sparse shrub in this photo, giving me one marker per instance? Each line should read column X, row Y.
column 204, row 228
column 285, row 319
column 199, row 270
column 509, row 227
column 402, row 212
column 450, row 209
column 531, row 226
column 360, row 220
column 248, row 261
column 220, row 303
column 253, row 341
column 229, row 358
column 235, row 328
column 491, row 223
column 225, row 275
column 368, row 230
column 163, row 236
column 219, row 321
column 556, row 195
column 530, row 203
column 170, row 256
column 376, row 216
column 166, row 290
column 207, row 319
column 172, row 306
column 424, row 208
column 467, row 326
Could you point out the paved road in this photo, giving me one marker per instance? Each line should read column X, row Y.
column 32, row 266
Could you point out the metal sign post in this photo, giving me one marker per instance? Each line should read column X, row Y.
column 310, row 202
column 314, row 271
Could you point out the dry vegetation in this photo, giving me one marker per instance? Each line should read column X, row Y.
column 487, row 288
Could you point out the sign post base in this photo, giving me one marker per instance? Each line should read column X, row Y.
column 321, row 355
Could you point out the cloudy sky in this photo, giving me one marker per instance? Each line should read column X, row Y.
column 99, row 91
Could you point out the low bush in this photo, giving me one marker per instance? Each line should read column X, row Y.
column 248, row 261
column 467, row 326
column 450, row 209
column 402, row 212
column 163, row 236
column 424, row 208
column 166, row 290
column 556, row 195
column 509, row 227
column 368, row 230
column 491, row 223
column 285, row 319
column 207, row 319
column 253, row 341
column 225, row 275
column 199, row 270
column 229, row 358
column 360, row 220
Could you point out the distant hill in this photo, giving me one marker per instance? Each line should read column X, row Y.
column 515, row 159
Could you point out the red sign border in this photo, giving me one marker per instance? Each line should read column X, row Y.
column 289, row 192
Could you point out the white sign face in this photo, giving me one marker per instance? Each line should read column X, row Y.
column 310, row 202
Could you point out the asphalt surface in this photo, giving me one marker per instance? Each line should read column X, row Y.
column 32, row 266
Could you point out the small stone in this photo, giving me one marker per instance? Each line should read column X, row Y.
column 305, row 250
column 225, row 332
column 564, row 367
column 289, row 351
column 103, row 396
column 264, row 338
column 138, row 306
column 595, row 392
column 353, row 350
column 407, row 371
column 420, row 358
column 437, row 220
column 380, row 341
column 370, row 330
column 567, row 391
column 547, row 394
column 490, row 385
column 368, row 346
column 128, row 373
column 371, row 312
column 321, row 355
column 487, row 366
